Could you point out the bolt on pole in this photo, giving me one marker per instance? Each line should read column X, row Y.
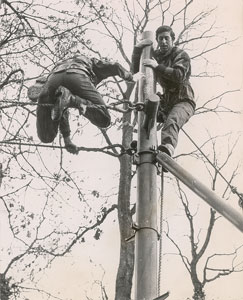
column 146, row 238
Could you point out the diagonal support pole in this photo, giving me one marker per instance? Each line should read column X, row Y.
column 201, row 190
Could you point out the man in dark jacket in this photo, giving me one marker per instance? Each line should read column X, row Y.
column 172, row 70
column 72, row 84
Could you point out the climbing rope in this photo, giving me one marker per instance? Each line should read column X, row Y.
column 161, row 232
column 23, row 103
column 113, row 106
column 232, row 188
column 104, row 149
column 16, row 103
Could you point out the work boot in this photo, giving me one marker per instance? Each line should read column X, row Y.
column 34, row 91
column 70, row 146
column 65, row 99
column 169, row 150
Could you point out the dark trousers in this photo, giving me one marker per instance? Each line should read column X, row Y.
column 78, row 84
column 176, row 118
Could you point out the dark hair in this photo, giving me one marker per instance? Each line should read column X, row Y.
column 165, row 28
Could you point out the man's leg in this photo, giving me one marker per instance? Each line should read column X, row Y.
column 65, row 131
column 46, row 128
column 87, row 95
column 77, row 91
column 177, row 117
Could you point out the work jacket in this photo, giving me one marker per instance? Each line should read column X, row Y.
column 176, row 85
column 96, row 69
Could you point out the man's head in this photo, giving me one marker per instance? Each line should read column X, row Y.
column 165, row 37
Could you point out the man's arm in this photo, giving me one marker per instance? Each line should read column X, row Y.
column 177, row 72
column 136, row 55
column 104, row 69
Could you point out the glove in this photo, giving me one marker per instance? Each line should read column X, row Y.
column 128, row 76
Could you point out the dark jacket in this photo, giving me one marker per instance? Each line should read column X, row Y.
column 96, row 69
column 176, row 85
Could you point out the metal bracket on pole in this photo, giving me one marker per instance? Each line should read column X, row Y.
column 139, row 106
column 136, row 228
column 139, row 158
column 151, row 108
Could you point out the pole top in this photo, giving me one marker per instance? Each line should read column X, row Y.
column 148, row 35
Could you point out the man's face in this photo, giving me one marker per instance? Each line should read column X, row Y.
column 165, row 42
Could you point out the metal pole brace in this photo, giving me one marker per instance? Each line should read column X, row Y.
column 139, row 106
column 136, row 228
column 151, row 108
column 136, row 158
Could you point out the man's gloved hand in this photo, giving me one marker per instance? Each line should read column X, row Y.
column 70, row 147
column 144, row 43
column 128, row 76
column 133, row 77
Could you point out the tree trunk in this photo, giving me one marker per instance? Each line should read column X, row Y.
column 198, row 293
column 5, row 290
column 126, row 265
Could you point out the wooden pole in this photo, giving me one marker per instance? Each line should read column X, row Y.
column 201, row 190
column 146, row 238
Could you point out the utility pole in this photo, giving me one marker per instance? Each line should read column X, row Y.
column 146, row 238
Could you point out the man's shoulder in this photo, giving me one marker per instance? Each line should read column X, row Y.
column 176, row 51
column 80, row 58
